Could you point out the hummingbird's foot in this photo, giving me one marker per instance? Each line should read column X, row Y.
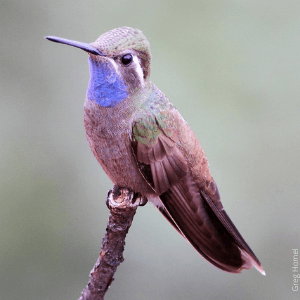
column 116, row 193
column 143, row 201
column 136, row 199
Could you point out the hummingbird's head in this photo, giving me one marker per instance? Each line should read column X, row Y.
column 130, row 50
column 119, row 64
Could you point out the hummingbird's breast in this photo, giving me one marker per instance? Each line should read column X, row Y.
column 108, row 132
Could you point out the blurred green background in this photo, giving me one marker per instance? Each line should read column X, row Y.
column 231, row 68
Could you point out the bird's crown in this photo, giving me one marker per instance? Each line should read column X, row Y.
column 121, row 39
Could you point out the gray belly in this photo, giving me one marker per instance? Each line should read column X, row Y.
column 109, row 140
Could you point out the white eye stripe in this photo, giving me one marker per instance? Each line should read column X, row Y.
column 137, row 66
column 139, row 70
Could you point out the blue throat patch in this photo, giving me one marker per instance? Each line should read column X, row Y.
column 105, row 87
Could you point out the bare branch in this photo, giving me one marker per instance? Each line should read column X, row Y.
column 122, row 204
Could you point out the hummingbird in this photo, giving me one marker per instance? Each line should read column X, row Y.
column 144, row 144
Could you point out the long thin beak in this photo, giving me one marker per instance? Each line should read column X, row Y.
column 84, row 46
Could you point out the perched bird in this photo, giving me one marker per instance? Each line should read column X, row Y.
column 143, row 143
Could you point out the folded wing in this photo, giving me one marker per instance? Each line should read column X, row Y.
column 195, row 211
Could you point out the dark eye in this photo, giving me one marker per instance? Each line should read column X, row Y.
column 126, row 59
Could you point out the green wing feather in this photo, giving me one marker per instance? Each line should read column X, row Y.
column 196, row 212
